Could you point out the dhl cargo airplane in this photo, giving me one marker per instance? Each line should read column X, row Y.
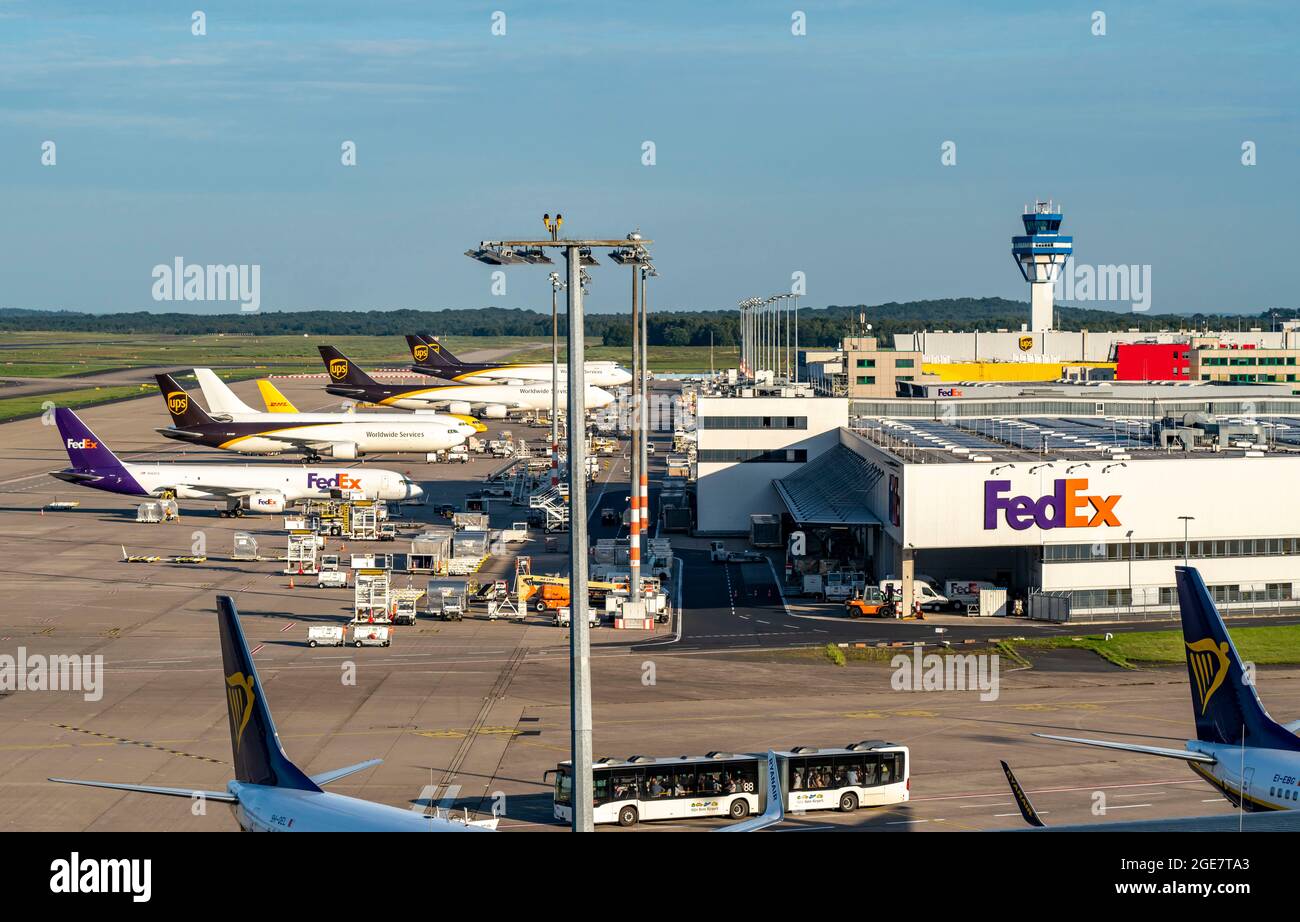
column 1239, row 749
column 339, row 435
column 271, row 793
column 488, row 401
column 267, row 488
column 433, row 358
column 276, row 402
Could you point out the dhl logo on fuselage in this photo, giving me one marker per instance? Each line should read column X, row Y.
column 178, row 402
column 1208, row 662
column 239, row 698
column 1064, row 507
column 338, row 369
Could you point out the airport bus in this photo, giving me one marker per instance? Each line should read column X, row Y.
column 626, row 791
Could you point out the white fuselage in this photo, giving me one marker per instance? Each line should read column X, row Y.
column 533, row 395
column 373, row 433
column 597, row 374
column 1266, row 778
column 269, row 809
column 294, row 483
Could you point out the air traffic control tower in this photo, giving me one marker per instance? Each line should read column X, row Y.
column 1040, row 254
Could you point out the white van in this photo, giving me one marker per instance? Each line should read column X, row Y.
column 922, row 593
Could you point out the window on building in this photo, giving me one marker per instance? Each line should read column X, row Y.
column 866, row 363
column 866, row 379
column 904, row 363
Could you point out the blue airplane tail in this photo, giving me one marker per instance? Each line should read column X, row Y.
column 259, row 758
column 1224, row 701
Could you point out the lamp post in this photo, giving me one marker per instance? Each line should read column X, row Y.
column 577, row 253
column 1129, row 536
column 1186, row 520
column 557, row 284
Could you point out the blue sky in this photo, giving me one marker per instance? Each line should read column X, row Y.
column 775, row 153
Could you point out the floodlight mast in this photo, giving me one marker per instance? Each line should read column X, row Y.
column 577, row 253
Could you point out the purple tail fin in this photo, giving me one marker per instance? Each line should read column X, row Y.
column 85, row 449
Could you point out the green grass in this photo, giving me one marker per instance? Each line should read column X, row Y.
column 834, row 654
column 1266, row 646
column 22, row 369
column 22, row 407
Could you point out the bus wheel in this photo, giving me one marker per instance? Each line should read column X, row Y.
column 628, row 816
column 848, row 802
column 739, row 808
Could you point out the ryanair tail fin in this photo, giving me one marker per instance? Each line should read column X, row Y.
column 342, row 370
column 259, row 758
column 1225, row 704
column 274, row 400
column 184, row 410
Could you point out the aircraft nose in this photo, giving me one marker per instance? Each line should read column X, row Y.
column 414, row 490
column 598, row 397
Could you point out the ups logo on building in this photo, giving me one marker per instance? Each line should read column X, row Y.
column 1026, row 343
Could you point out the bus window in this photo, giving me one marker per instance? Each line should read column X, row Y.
column 681, row 782
column 626, row 785
column 600, row 787
column 713, row 783
column 745, row 778
column 564, row 787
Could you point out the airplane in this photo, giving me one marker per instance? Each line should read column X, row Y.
column 433, row 358
column 488, row 401
column 256, row 488
column 270, row 793
column 1242, row 752
column 339, row 435
column 276, row 402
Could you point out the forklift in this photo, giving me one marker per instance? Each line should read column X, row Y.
column 872, row 603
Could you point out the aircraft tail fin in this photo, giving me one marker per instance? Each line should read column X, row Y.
column 1022, row 799
column 86, row 450
column 259, row 758
column 184, row 410
column 1225, row 704
column 219, row 396
column 775, row 810
column 342, row 370
column 438, row 348
column 427, row 353
column 274, row 400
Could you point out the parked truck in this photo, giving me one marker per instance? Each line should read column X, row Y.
column 924, row 595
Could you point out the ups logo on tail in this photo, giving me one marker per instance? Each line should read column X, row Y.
column 1208, row 662
column 239, row 698
column 178, row 402
column 420, row 352
column 338, row 369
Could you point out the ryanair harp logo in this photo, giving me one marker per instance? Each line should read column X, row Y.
column 338, row 369
column 421, row 352
column 178, row 402
column 1026, row 343
column 239, row 698
column 1208, row 662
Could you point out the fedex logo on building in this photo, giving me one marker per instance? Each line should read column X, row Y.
column 82, row 443
column 337, row 481
column 1067, row 506
column 950, row 392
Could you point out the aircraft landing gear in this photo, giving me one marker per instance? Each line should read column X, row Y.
column 233, row 510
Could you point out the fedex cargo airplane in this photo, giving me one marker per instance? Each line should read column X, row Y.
column 433, row 358
column 270, row 793
column 339, row 435
column 1240, row 751
column 489, row 401
column 256, row 488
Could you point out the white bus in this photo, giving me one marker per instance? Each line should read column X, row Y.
column 867, row 774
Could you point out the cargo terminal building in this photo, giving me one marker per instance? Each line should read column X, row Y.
column 1081, row 517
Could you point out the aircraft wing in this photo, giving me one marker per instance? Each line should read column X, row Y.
column 1292, row 727
column 325, row 778
column 298, row 442
column 220, row 796
column 1186, row 755
column 775, row 811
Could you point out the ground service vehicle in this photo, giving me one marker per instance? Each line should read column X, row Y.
column 963, row 592
column 330, row 635
column 871, row 603
column 371, row 635
column 866, row 774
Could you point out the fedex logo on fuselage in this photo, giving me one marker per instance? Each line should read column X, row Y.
column 82, row 443
column 337, row 481
column 1067, row 506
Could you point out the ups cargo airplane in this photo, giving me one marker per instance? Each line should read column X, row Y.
column 1240, row 750
column 265, row 488
column 339, row 435
column 278, row 403
column 433, row 358
column 270, row 793
column 488, row 401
